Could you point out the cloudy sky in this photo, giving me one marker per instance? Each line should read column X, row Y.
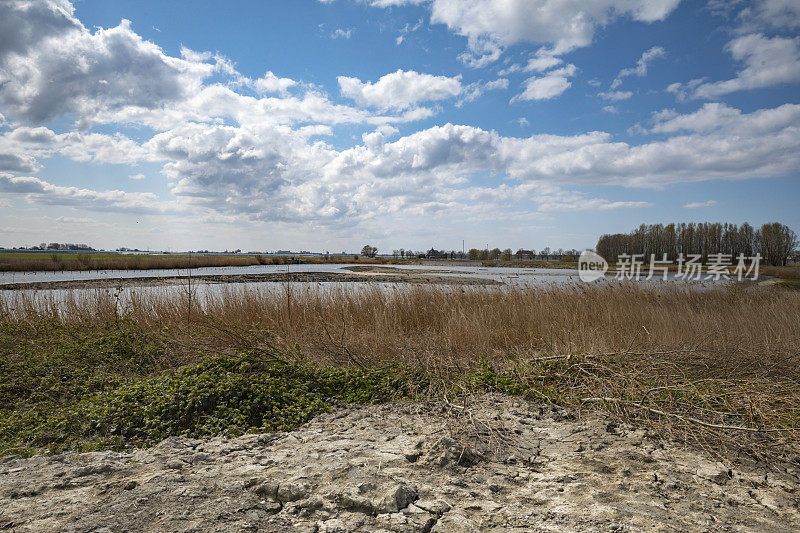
column 327, row 124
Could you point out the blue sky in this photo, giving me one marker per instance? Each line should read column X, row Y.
column 402, row 123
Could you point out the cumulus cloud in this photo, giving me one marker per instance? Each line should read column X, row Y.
column 114, row 200
column 400, row 90
column 270, row 83
column 232, row 153
column 767, row 61
column 547, row 86
column 44, row 46
column 30, row 143
column 51, row 66
column 491, row 25
column 11, row 162
column 720, row 118
column 542, row 61
column 765, row 145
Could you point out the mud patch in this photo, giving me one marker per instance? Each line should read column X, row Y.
column 402, row 276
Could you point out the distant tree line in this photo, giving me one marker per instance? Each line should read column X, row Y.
column 494, row 254
column 546, row 254
column 63, row 246
column 774, row 241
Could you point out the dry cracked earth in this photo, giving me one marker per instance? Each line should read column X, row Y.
column 402, row 467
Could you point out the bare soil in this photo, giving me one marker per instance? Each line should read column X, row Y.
column 508, row 466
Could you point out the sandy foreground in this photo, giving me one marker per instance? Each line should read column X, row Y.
column 404, row 467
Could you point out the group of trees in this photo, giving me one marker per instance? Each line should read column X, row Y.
column 495, row 254
column 433, row 253
column 775, row 242
column 369, row 251
column 64, row 246
column 522, row 254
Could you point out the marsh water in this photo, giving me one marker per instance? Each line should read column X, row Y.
column 502, row 276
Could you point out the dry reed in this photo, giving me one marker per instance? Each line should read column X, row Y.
column 37, row 262
column 718, row 367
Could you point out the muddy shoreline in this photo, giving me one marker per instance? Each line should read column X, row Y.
column 400, row 276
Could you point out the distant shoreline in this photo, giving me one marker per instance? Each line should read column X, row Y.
column 274, row 277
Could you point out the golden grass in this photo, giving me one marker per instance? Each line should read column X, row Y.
column 30, row 262
column 710, row 365
column 410, row 323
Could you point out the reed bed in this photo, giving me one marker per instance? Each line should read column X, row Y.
column 36, row 262
column 718, row 367
column 448, row 324
column 31, row 262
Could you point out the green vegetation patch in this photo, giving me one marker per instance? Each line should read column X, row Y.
column 99, row 390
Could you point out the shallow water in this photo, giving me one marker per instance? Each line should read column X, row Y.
column 60, row 298
column 83, row 275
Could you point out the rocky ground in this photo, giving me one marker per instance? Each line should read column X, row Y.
column 403, row 467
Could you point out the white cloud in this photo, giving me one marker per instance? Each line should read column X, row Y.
column 550, row 85
column 406, row 30
column 491, row 25
column 263, row 172
column 772, row 13
column 642, row 64
column 767, row 62
column 76, row 220
column 270, row 83
column 600, row 204
column 11, row 162
column 230, row 155
column 49, row 194
column 400, row 90
column 43, row 46
column 762, row 146
column 542, row 61
column 615, row 96
column 721, row 119
column 139, row 176
column 38, row 142
column 52, row 66
column 697, row 205
column 342, row 33
column 473, row 91
column 610, row 109
column 639, row 70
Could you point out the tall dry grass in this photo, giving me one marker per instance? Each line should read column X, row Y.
column 39, row 262
column 30, row 262
column 715, row 366
column 413, row 323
